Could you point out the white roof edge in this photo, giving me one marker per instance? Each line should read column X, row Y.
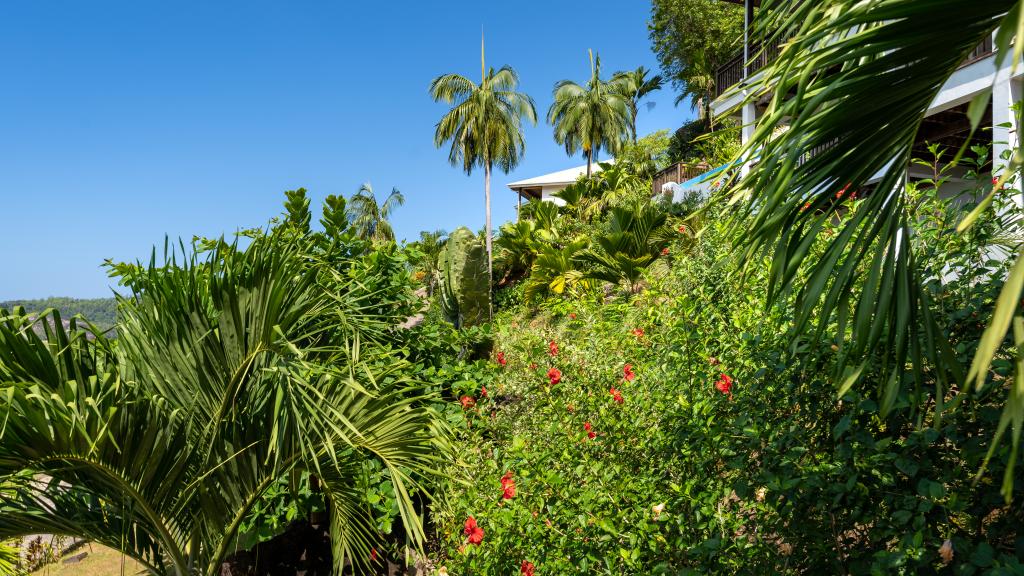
column 567, row 176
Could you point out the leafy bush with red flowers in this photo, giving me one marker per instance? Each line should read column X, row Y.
column 691, row 431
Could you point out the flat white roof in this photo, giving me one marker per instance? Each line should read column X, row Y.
column 567, row 176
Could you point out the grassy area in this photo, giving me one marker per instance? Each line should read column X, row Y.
column 101, row 561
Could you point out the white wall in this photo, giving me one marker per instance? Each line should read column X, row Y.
column 547, row 191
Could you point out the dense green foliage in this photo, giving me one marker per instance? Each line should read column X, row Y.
column 236, row 373
column 839, row 56
column 703, row 141
column 692, row 38
column 100, row 311
column 647, row 155
column 691, row 429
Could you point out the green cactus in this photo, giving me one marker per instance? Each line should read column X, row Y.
column 462, row 277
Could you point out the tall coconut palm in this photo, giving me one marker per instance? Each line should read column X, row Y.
column 370, row 218
column 864, row 74
column 229, row 374
column 637, row 86
column 484, row 127
column 592, row 117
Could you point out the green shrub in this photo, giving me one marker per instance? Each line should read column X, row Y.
column 730, row 451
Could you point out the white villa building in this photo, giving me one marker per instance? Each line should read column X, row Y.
column 542, row 187
column 946, row 122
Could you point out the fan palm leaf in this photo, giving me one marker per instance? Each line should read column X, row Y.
column 229, row 374
column 855, row 78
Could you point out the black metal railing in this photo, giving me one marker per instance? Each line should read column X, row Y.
column 731, row 73
column 982, row 51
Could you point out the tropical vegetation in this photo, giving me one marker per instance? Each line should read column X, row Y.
column 857, row 51
column 815, row 366
column 370, row 217
column 484, row 126
column 234, row 370
column 595, row 116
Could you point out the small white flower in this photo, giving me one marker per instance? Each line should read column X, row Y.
column 657, row 509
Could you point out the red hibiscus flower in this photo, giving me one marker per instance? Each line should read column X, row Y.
column 616, row 395
column 638, row 332
column 664, row 251
column 590, row 430
column 554, row 376
column 483, row 391
column 627, row 372
column 553, row 348
column 682, row 229
column 467, row 402
column 526, row 568
column 475, row 533
column 508, row 486
column 724, row 385
column 501, row 359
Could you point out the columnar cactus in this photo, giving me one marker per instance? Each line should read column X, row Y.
column 462, row 271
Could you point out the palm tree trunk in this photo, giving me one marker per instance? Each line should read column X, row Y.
column 590, row 157
column 487, row 231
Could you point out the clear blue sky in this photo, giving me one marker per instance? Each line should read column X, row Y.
column 123, row 121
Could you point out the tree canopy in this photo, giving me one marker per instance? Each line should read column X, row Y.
column 692, row 38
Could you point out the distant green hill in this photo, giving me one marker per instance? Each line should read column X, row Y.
column 100, row 311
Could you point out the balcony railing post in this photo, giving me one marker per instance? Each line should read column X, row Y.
column 748, row 16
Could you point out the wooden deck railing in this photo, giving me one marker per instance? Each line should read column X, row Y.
column 678, row 173
column 731, row 73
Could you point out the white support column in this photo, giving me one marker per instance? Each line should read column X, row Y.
column 1005, row 129
column 749, row 122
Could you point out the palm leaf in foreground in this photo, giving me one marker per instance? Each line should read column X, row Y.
column 856, row 78
column 228, row 374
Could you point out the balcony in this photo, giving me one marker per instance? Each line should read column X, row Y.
column 731, row 73
column 678, row 173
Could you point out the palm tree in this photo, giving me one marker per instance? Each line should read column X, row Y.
column 430, row 245
column 593, row 117
column 699, row 87
column 485, row 126
column 229, row 375
column 369, row 218
column 864, row 74
column 638, row 86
